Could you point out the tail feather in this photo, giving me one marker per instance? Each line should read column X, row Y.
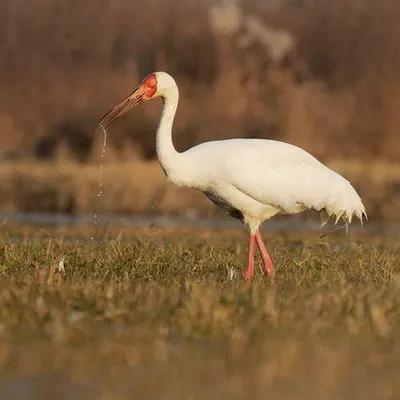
column 344, row 203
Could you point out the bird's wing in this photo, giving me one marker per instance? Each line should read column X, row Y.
column 285, row 176
column 277, row 174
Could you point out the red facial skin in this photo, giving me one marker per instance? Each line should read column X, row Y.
column 149, row 86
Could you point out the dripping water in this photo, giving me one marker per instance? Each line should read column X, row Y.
column 100, row 186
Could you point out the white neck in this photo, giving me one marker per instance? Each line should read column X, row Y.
column 168, row 157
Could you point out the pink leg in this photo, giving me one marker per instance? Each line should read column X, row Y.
column 268, row 265
column 249, row 273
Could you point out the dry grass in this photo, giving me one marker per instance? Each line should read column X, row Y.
column 332, row 86
column 147, row 314
column 139, row 187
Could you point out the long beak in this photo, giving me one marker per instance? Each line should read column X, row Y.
column 120, row 109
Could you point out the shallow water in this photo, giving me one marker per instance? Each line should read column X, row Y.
column 45, row 385
column 284, row 224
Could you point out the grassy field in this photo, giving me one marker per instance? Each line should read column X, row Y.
column 153, row 314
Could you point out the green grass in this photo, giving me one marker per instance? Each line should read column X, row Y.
column 152, row 314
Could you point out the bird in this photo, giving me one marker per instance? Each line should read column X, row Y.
column 250, row 179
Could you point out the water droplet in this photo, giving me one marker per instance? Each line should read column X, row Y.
column 100, row 185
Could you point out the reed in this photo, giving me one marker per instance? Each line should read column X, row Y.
column 139, row 187
column 322, row 75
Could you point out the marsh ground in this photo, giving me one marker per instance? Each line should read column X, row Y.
column 165, row 314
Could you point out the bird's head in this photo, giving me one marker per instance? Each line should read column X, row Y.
column 157, row 84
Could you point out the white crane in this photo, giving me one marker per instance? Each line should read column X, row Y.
column 251, row 179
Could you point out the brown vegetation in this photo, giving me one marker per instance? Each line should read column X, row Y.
column 320, row 74
column 140, row 187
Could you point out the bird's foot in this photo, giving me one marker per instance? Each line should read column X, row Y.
column 249, row 274
column 269, row 271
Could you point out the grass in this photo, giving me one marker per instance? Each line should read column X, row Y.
column 166, row 314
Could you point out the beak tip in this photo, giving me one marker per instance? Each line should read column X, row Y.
column 104, row 123
column 118, row 110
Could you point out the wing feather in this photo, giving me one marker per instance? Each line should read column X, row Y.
column 281, row 175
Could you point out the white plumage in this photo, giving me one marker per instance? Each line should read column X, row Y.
column 262, row 178
column 252, row 179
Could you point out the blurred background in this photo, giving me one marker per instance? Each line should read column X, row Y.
column 320, row 74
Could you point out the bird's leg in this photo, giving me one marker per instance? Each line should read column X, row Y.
column 249, row 273
column 268, row 265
